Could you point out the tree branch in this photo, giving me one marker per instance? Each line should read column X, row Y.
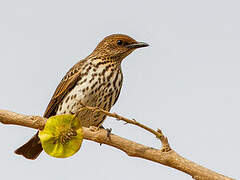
column 165, row 145
column 163, row 156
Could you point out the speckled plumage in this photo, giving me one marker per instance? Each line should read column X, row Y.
column 93, row 81
column 99, row 86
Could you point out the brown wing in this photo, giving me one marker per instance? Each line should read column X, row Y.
column 66, row 84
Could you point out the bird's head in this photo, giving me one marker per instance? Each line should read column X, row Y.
column 117, row 47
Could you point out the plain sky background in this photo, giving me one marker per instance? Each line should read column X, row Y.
column 186, row 82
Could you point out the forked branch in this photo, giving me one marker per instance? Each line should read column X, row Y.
column 158, row 133
column 165, row 156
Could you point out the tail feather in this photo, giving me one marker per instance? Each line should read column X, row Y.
column 31, row 149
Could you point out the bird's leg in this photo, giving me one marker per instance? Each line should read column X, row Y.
column 109, row 130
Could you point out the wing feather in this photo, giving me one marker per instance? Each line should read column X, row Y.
column 67, row 83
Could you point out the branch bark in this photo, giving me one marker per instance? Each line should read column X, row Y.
column 163, row 156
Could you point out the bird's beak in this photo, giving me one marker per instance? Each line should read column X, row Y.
column 137, row 45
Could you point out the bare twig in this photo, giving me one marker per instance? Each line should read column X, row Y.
column 165, row 145
column 169, row 158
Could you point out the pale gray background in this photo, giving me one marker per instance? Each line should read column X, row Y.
column 186, row 82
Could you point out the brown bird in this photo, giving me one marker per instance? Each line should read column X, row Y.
column 93, row 81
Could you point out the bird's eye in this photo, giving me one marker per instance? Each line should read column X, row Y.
column 119, row 42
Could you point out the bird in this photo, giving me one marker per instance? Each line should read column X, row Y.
column 93, row 81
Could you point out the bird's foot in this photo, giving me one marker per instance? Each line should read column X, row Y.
column 109, row 130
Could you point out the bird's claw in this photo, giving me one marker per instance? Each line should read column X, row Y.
column 109, row 130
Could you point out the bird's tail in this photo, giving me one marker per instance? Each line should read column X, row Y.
column 31, row 149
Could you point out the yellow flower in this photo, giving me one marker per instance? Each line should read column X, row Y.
column 62, row 136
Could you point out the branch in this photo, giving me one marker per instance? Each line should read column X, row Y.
column 165, row 145
column 169, row 158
